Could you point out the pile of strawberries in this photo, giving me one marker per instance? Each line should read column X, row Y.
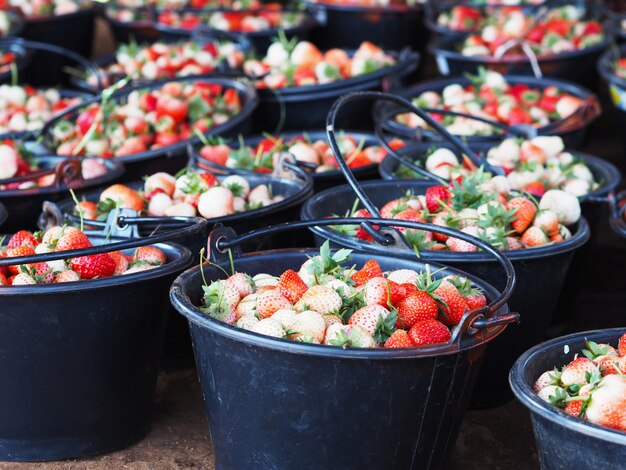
column 481, row 206
column 190, row 193
column 252, row 18
column 533, row 165
column 563, row 29
column 165, row 60
column 328, row 303
column 591, row 387
column 490, row 96
column 296, row 64
column 262, row 157
column 55, row 239
column 39, row 8
column 145, row 120
column 16, row 161
column 25, row 108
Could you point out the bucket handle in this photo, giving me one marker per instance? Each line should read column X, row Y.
column 82, row 61
column 222, row 239
column 188, row 226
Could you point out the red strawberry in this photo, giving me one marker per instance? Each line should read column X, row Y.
column 534, row 236
column 89, row 267
column 72, row 239
column 416, row 307
column 476, row 301
column 409, row 288
column 22, row 238
column 389, row 210
column 291, row 286
column 454, row 304
column 574, row 408
column 370, row 270
column 380, row 291
column 121, row 262
column 524, row 214
column 18, row 252
column 215, row 153
column 536, row 188
column 271, row 301
column 40, row 272
column 150, row 255
column 360, row 232
column 399, row 339
column 429, row 332
column 436, row 196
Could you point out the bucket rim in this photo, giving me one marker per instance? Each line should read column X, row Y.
column 180, row 300
column 525, row 394
column 182, row 260
column 605, row 66
column 389, row 10
column 579, row 237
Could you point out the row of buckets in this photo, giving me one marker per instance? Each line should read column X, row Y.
column 80, row 361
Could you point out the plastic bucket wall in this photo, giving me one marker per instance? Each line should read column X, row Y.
column 73, row 31
column 407, row 418
column 321, row 181
column 80, row 362
column 540, row 276
column 574, row 66
column 24, row 205
column 3, row 214
column 564, row 441
column 389, row 27
column 573, row 129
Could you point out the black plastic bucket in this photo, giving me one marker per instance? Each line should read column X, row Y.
column 73, row 31
column 572, row 129
column 616, row 85
column 540, row 276
column 306, row 107
column 564, row 441
column 425, row 390
column 80, row 361
column 391, row 27
column 322, row 180
column 106, row 60
column 3, row 214
column 295, row 184
column 140, row 30
column 260, row 40
column 172, row 158
column 573, row 66
column 24, row 205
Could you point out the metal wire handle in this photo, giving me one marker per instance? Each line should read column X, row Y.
column 191, row 225
column 223, row 243
column 87, row 64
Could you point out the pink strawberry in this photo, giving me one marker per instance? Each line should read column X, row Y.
column 383, row 292
column 150, row 255
column 321, row 299
column 243, row 283
column 373, row 319
column 534, row 236
column 269, row 302
column 72, row 238
column 575, row 372
column 67, row 276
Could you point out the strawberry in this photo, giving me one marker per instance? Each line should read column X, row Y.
column 621, row 345
column 71, row 238
column 474, row 297
column 291, row 286
column 268, row 327
column 607, row 406
column 389, row 210
column 360, row 231
column 534, row 236
column 41, row 272
column 18, row 252
column 399, row 339
column 409, row 288
column 575, row 372
column 121, row 262
column 416, row 307
column 547, row 221
column 574, row 408
column 458, row 245
column 370, row 270
column 67, row 276
column 321, row 299
column 429, row 332
column 550, row 377
column 348, row 336
column 123, row 196
column 608, row 364
column 524, row 213
column 403, row 276
column 309, row 324
column 376, row 320
column 269, row 302
column 436, row 197
column 22, row 238
column 380, row 291
column 150, row 255
column 243, row 283
column 88, row 210
column 453, row 305
column 94, row 266
column 536, row 189
column 22, row 279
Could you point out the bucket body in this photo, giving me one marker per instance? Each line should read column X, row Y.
column 540, row 275
column 564, row 441
column 73, row 31
column 80, row 362
column 348, row 409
